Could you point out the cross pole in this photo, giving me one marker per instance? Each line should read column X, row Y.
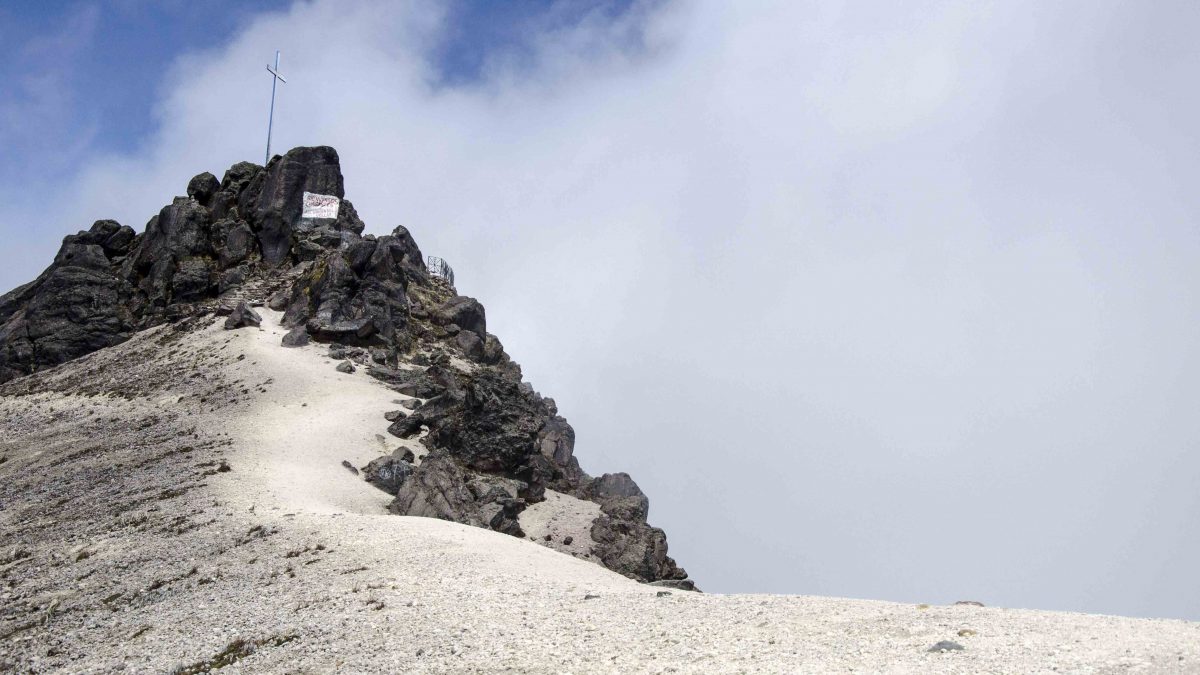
column 275, row 79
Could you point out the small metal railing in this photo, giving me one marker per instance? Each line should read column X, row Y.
column 440, row 268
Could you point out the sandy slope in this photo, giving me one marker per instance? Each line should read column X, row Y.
column 124, row 547
column 295, row 436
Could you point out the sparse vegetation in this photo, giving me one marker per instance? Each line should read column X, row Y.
column 235, row 651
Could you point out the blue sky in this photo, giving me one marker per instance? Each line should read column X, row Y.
column 84, row 75
column 890, row 300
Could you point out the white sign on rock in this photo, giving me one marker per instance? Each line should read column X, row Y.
column 320, row 206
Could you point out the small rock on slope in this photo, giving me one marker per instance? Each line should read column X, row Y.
column 242, row 317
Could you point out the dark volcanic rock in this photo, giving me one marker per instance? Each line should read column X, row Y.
column 78, row 305
column 242, row 316
column 556, row 442
column 114, row 238
column 176, row 244
column 634, row 549
column 464, row 312
column 493, row 351
column 274, row 200
column 296, row 337
column 232, row 278
column 406, row 427
column 108, row 282
column 238, row 240
column 239, row 176
column 618, row 496
column 471, row 345
column 442, row 488
column 491, row 424
column 357, row 295
column 389, row 472
column 625, row 542
column 437, row 489
column 203, row 187
column 678, row 584
column 494, row 443
column 411, row 259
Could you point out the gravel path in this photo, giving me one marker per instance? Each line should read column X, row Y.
column 173, row 504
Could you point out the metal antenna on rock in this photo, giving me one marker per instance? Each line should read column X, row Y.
column 276, row 78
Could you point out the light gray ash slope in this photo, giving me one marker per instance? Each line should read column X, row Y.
column 178, row 500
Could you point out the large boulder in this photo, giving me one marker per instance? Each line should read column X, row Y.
column 355, row 295
column 234, row 242
column 77, row 310
column 633, row 549
column 296, row 337
column 175, row 259
column 242, row 317
column 203, row 187
column 273, row 201
column 114, row 238
column 556, row 443
column 389, row 472
column 464, row 312
column 78, row 305
column 224, row 204
column 442, row 488
column 493, row 427
column 470, row 344
column 413, row 262
column 618, row 496
column 181, row 229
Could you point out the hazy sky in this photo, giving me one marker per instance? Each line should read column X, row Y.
column 882, row 300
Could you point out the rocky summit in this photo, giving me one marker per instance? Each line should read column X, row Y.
column 253, row 439
column 487, row 445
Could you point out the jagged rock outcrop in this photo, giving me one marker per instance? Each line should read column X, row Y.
column 634, row 549
column 441, row 487
column 78, row 305
column 494, row 445
column 273, row 199
column 618, row 496
column 357, row 294
column 107, row 282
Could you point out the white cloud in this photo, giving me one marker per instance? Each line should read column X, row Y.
column 873, row 301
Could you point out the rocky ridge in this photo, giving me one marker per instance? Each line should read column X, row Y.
column 491, row 446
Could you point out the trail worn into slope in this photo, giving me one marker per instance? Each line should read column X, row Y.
column 295, row 436
column 173, row 503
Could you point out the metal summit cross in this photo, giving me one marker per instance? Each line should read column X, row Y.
column 275, row 79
